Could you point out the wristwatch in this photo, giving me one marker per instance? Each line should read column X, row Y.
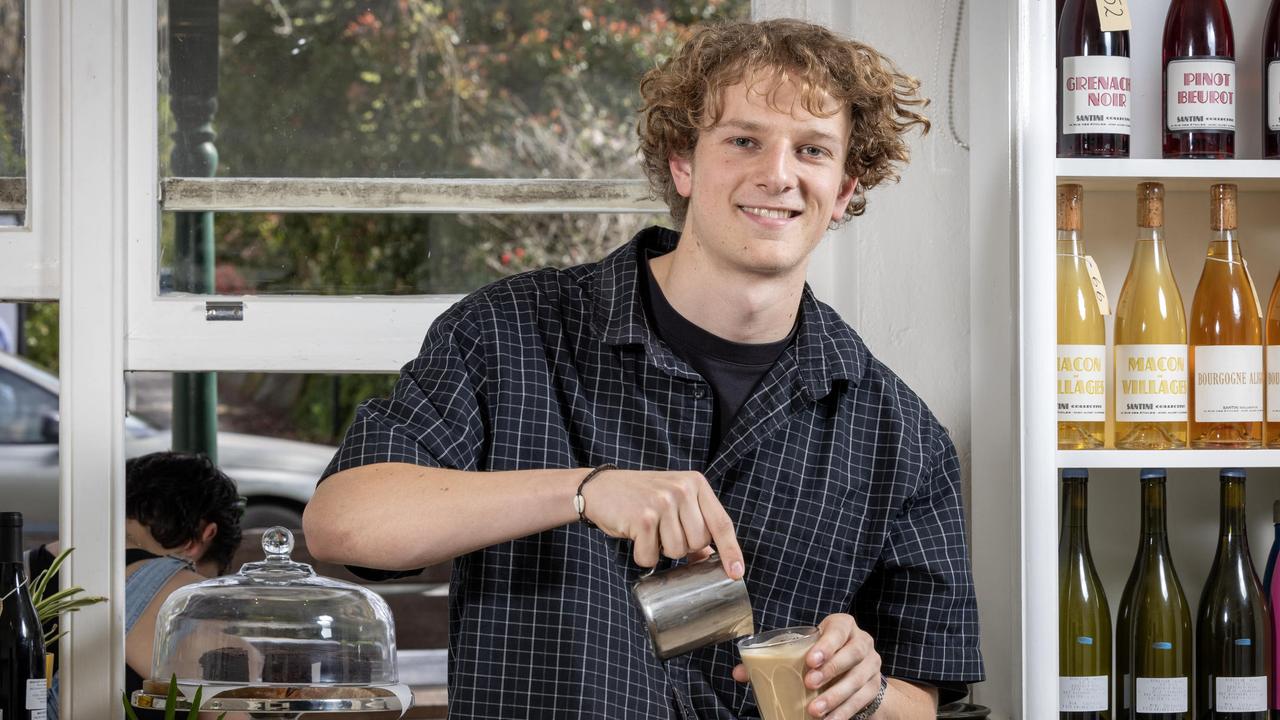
column 871, row 708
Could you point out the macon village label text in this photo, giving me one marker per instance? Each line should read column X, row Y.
column 1151, row 383
column 1082, row 387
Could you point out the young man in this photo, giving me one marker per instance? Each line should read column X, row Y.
column 739, row 411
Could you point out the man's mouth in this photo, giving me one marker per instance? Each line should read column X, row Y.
column 776, row 213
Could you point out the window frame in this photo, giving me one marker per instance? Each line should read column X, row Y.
column 30, row 270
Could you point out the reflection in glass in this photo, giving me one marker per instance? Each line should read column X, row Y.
column 374, row 254
column 13, row 146
column 440, row 88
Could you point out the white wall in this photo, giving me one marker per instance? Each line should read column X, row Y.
column 908, row 276
column 935, row 299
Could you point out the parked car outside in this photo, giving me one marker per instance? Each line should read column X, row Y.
column 276, row 476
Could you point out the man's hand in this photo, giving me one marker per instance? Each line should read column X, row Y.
column 672, row 513
column 844, row 663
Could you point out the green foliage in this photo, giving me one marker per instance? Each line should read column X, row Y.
column 51, row 608
column 40, row 327
column 171, row 703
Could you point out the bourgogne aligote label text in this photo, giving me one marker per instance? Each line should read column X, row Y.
column 1228, row 383
column 1151, row 383
column 1082, row 388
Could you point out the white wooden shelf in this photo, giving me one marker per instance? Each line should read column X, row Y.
column 1177, row 175
column 1168, row 458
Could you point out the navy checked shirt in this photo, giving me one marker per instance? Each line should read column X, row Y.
column 843, row 488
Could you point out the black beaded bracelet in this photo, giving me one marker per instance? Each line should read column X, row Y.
column 579, row 502
column 871, row 708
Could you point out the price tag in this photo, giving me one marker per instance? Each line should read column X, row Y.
column 1113, row 15
column 1099, row 291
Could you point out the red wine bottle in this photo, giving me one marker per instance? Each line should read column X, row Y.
column 22, row 685
column 1093, row 84
column 1271, row 83
column 1199, row 80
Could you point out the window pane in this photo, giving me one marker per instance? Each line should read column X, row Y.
column 419, row 254
column 29, row 415
column 13, row 146
column 416, row 88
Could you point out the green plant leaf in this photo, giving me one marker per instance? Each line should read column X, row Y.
column 128, row 709
column 170, row 711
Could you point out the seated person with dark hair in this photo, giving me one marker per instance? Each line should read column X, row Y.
column 182, row 526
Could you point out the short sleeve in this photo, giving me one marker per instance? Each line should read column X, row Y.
column 919, row 603
column 434, row 416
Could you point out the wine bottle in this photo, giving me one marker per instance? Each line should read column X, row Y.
column 1094, row 84
column 1225, row 339
column 1269, row 573
column 1199, row 80
column 22, row 683
column 1271, row 83
column 1082, row 413
column 1153, row 627
column 1151, row 340
column 1084, row 619
column 1233, row 626
column 1271, row 587
column 1271, row 427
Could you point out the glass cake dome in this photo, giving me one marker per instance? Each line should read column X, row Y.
column 276, row 638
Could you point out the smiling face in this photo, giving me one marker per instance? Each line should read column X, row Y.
column 766, row 181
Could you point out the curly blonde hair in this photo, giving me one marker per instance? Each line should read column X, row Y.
column 683, row 97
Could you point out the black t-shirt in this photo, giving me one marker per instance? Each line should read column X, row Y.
column 733, row 369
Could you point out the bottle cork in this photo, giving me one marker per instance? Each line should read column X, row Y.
column 1150, row 204
column 1222, row 207
column 1070, row 207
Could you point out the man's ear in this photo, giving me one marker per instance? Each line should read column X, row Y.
column 682, row 174
column 847, row 188
column 199, row 546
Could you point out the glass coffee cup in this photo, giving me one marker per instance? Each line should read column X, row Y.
column 776, row 666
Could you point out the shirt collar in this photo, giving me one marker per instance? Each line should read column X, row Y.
column 826, row 348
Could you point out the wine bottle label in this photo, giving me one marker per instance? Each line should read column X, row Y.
column 1160, row 695
column 1200, row 94
column 1082, row 388
column 1151, row 383
column 1273, row 96
column 1240, row 694
column 1083, row 694
column 1228, row 383
column 1273, row 383
column 1096, row 94
column 37, row 694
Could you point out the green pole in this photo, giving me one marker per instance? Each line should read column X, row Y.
column 193, row 99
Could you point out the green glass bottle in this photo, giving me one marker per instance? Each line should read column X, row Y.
column 1153, row 627
column 1233, row 625
column 1084, row 619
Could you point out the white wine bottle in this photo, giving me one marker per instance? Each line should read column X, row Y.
column 1084, row 618
column 1225, row 339
column 1154, row 646
column 1082, row 387
column 1233, row 625
column 1271, row 429
column 1151, row 340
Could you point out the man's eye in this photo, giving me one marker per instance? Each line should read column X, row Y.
column 813, row 151
column 741, row 142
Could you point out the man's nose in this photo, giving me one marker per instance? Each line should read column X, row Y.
column 777, row 171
